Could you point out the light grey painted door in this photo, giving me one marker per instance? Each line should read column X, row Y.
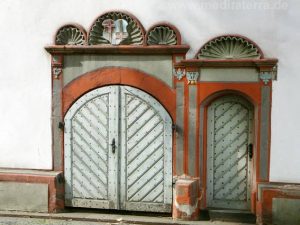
column 146, row 175
column 229, row 138
column 118, row 151
column 90, row 166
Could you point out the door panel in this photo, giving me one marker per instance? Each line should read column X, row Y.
column 230, row 121
column 137, row 175
column 89, row 165
column 147, row 136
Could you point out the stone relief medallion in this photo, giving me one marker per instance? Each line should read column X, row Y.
column 116, row 28
column 115, row 31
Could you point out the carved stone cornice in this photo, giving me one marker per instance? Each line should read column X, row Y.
column 120, row 49
column 271, row 62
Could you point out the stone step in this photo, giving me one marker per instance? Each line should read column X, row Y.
column 102, row 216
column 232, row 216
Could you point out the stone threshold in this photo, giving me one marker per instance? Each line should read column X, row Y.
column 109, row 218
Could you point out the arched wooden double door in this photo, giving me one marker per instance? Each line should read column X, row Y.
column 229, row 152
column 118, row 151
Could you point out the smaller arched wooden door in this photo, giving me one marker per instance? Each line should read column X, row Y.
column 118, row 151
column 229, row 152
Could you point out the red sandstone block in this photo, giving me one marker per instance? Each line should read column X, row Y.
column 185, row 204
column 190, row 200
column 187, row 188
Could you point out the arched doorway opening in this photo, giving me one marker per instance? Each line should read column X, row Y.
column 230, row 136
column 118, row 151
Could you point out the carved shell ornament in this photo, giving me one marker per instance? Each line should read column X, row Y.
column 162, row 35
column 70, row 35
column 116, row 28
column 229, row 47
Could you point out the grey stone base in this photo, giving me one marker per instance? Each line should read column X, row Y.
column 23, row 196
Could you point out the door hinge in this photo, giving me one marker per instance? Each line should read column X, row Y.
column 113, row 146
column 250, row 151
column 60, row 179
column 61, row 125
column 174, row 180
column 174, row 127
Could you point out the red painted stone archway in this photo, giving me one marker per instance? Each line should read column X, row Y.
column 119, row 76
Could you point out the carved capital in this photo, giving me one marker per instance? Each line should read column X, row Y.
column 56, row 72
column 265, row 77
column 192, row 77
column 56, row 65
column 179, row 73
column 57, row 60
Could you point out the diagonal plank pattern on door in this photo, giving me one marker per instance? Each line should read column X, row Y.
column 229, row 133
column 90, row 149
column 118, row 151
column 145, row 151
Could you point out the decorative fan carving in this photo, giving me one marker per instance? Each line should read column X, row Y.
column 70, row 35
column 229, row 47
column 162, row 35
column 116, row 28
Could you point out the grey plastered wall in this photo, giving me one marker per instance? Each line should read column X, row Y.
column 179, row 127
column 264, row 132
column 192, row 130
column 23, row 196
column 229, row 75
column 285, row 211
column 159, row 66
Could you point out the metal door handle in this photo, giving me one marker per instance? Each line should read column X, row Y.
column 113, row 146
column 250, row 150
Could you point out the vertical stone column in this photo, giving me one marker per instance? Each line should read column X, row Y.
column 192, row 130
column 264, row 133
column 57, row 125
column 179, row 128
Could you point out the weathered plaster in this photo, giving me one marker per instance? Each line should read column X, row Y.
column 157, row 66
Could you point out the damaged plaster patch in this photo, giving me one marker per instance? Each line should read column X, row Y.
column 187, row 209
